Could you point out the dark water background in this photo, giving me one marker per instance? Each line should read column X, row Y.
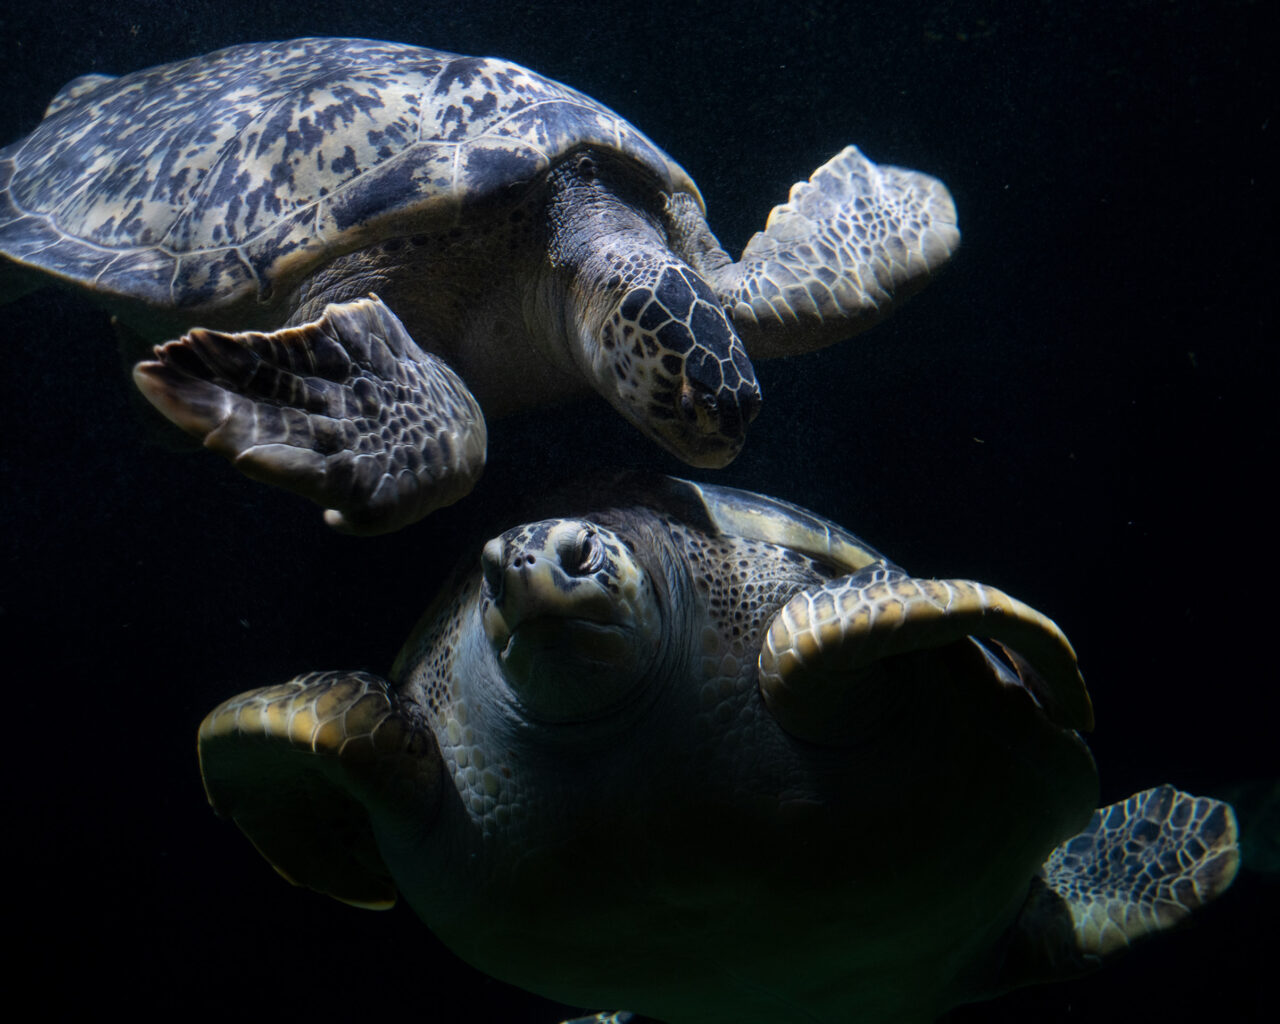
column 1081, row 411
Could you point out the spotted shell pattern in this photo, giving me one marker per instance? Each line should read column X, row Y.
column 203, row 181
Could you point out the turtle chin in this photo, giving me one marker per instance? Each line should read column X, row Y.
column 703, row 450
column 699, row 427
column 567, row 669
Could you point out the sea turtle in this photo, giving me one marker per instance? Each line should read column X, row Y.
column 704, row 755
column 530, row 242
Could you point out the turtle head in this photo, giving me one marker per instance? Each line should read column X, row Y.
column 572, row 616
column 669, row 359
column 647, row 331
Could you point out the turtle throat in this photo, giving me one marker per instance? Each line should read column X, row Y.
column 643, row 327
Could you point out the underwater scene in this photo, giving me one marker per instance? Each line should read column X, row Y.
column 1075, row 411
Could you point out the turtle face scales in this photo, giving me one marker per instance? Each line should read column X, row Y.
column 681, row 369
column 643, row 326
column 571, row 616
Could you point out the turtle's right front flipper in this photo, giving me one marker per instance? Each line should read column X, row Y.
column 301, row 768
column 346, row 410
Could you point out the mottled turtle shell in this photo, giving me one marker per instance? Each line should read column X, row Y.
column 206, row 181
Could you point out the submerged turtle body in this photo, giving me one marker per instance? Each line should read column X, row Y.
column 401, row 236
column 704, row 755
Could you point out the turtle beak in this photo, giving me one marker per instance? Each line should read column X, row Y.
column 715, row 421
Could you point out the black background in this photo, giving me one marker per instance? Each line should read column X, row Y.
column 1080, row 411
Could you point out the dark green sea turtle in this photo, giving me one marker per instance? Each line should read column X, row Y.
column 380, row 223
column 704, row 755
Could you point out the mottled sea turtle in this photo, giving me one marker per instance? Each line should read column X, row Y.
column 530, row 242
column 704, row 755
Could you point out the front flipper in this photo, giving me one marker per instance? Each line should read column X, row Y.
column 1141, row 866
column 299, row 767
column 346, row 410
column 846, row 248
column 822, row 638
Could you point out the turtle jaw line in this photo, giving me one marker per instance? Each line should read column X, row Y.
column 710, row 451
column 542, row 625
column 567, row 669
column 504, row 622
column 504, row 616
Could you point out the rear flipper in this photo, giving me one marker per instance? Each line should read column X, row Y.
column 1141, row 866
column 346, row 410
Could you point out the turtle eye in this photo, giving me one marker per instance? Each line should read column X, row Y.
column 586, row 556
column 586, row 167
column 687, row 409
column 698, row 407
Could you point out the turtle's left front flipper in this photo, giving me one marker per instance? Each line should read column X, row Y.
column 845, row 249
column 1140, row 866
column 346, row 410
